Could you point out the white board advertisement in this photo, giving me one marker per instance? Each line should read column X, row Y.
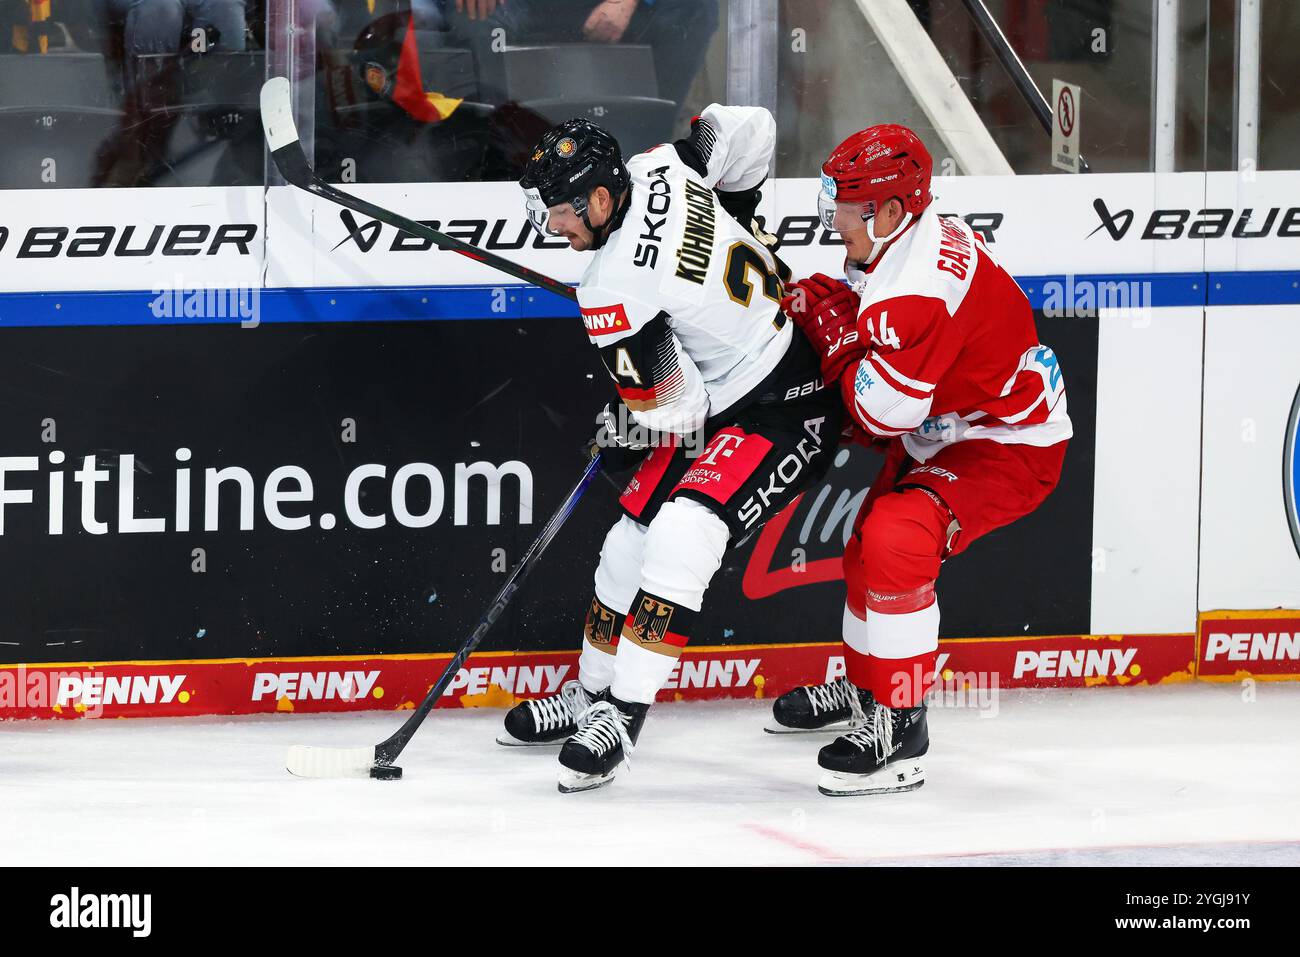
column 1035, row 225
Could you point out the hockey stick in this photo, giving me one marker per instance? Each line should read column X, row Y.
column 1015, row 68
column 291, row 161
column 377, row 761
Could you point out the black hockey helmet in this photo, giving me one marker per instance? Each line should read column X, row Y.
column 571, row 160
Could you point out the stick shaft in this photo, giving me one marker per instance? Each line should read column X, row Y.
column 388, row 750
column 290, row 159
column 443, row 241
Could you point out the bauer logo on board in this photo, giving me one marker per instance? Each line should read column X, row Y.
column 1246, row 223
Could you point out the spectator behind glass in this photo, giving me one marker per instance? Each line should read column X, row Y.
column 137, row 153
column 678, row 32
column 158, row 26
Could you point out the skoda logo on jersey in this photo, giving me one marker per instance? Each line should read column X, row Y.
column 828, row 186
column 1291, row 472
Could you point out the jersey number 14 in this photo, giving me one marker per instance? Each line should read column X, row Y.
column 887, row 336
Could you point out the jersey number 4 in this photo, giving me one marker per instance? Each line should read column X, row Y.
column 624, row 369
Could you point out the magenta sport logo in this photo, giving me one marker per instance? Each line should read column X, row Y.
column 1291, row 471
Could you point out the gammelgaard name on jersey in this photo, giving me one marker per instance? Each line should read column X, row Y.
column 129, row 241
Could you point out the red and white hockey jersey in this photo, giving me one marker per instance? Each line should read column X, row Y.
column 682, row 301
column 954, row 352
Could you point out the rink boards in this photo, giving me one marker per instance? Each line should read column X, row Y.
column 970, row 673
column 319, row 444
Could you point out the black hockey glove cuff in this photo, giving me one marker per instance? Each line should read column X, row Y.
column 742, row 205
column 619, row 438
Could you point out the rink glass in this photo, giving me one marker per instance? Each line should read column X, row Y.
column 94, row 96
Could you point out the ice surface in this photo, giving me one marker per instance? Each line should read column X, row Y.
column 1186, row 774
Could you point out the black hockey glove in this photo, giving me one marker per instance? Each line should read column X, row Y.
column 742, row 205
column 616, row 440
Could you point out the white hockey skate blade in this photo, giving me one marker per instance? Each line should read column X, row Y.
column 307, row 762
column 508, row 740
column 902, row 776
column 571, row 782
column 835, row 727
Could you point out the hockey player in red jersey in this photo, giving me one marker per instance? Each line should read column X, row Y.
column 720, row 401
column 933, row 348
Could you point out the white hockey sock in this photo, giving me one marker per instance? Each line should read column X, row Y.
column 596, row 665
column 639, row 674
column 617, row 578
column 903, row 636
column 683, row 549
column 857, row 651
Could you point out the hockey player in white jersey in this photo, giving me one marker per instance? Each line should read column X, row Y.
column 719, row 401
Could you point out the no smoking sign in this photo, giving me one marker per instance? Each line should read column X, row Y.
column 1065, row 126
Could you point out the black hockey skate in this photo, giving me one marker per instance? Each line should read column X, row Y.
column 608, row 733
column 881, row 756
column 549, row 720
column 824, row 707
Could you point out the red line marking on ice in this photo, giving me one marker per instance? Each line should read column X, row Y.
column 789, row 839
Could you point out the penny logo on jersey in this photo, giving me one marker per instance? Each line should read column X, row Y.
column 605, row 320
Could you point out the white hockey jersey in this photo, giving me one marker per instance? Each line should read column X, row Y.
column 682, row 301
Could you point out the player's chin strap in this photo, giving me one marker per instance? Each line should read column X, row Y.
column 878, row 243
column 601, row 233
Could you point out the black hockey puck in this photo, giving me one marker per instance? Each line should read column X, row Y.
column 386, row 772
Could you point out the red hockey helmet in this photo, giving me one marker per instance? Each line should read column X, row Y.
column 872, row 167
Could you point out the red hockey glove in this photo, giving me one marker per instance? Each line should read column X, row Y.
column 803, row 296
column 827, row 312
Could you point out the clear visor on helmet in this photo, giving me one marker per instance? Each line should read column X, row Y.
column 539, row 214
column 839, row 216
